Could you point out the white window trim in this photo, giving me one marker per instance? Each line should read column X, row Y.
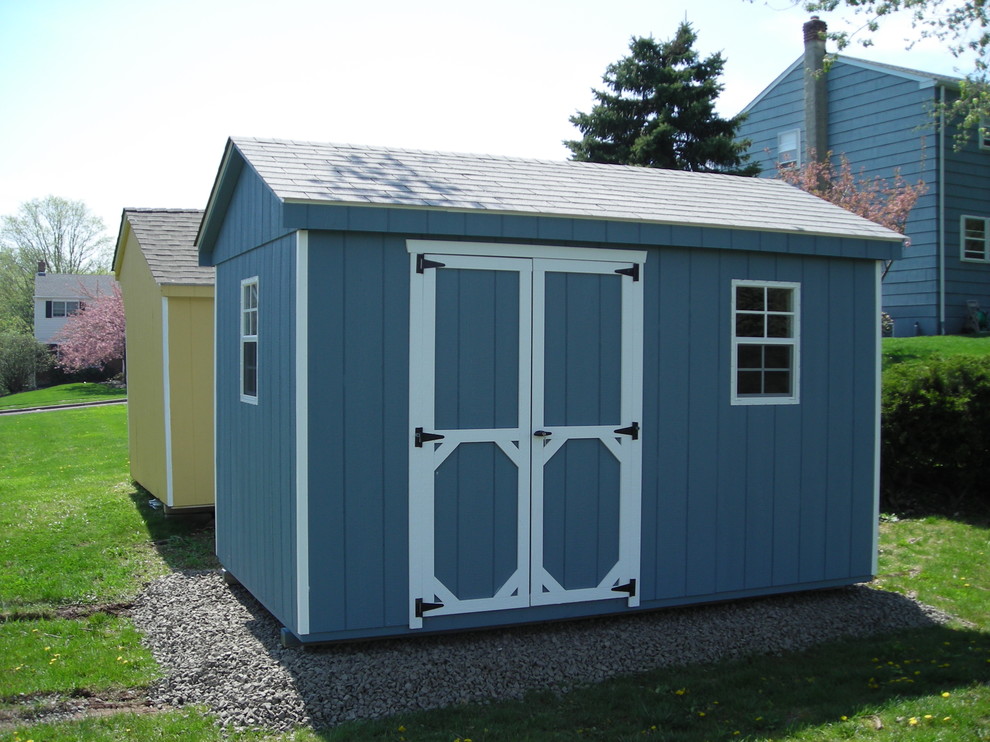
column 986, row 239
column 983, row 135
column 794, row 342
column 796, row 162
column 250, row 399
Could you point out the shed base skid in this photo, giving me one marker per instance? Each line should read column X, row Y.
column 544, row 614
column 188, row 510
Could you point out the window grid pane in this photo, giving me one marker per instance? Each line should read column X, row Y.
column 975, row 239
column 249, row 339
column 768, row 313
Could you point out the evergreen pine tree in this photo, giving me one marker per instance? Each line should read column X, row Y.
column 661, row 112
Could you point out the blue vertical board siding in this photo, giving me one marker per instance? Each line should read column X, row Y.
column 864, row 513
column 735, row 463
column 359, row 294
column 256, row 448
column 477, row 349
column 752, row 497
column 705, row 413
column 476, row 520
column 582, row 374
column 581, row 514
column 666, row 374
column 840, row 432
column 253, row 218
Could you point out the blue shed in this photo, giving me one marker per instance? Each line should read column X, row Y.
column 457, row 391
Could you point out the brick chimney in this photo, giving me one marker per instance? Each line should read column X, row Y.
column 815, row 94
column 42, row 267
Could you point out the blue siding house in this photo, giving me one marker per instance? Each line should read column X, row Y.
column 881, row 118
column 456, row 391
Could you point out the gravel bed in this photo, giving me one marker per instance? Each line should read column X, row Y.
column 219, row 647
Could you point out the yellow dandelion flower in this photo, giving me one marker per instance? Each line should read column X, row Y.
column 701, row 713
column 913, row 721
column 928, row 716
column 844, row 718
column 401, row 728
column 946, row 718
column 946, row 694
column 680, row 692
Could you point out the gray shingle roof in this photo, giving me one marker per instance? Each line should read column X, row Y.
column 72, row 286
column 357, row 175
column 168, row 242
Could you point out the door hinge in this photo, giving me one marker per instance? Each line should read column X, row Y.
column 422, row 437
column 632, row 430
column 422, row 607
column 629, row 587
column 422, row 263
column 632, row 272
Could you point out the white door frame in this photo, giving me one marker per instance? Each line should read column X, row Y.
column 532, row 261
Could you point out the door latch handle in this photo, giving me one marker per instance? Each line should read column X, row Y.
column 543, row 433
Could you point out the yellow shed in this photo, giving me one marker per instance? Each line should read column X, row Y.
column 168, row 304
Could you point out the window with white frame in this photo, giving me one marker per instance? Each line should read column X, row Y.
column 62, row 308
column 983, row 135
column 249, row 340
column 789, row 148
column 974, row 244
column 765, row 342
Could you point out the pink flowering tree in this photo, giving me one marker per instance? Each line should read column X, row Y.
column 93, row 336
column 887, row 203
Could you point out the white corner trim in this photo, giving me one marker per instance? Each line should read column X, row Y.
column 878, row 371
column 511, row 250
column 302, row 431
column 167, row 405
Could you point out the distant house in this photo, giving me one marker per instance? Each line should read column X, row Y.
column 456, row 391
column 168, row 304
column 59, row 295
column 880, row 117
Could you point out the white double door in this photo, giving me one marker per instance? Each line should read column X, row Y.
column 525, row 403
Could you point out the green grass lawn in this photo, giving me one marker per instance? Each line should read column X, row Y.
column 77, row 533
column 62, row 395
column 78, row 540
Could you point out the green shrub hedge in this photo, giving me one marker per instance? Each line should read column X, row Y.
column 935, row 435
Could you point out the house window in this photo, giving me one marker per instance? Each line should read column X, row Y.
column 765, row 342
column 249, row 340
column 789, row 148
column 63, row 308
column 983, row 135
column 974, row 239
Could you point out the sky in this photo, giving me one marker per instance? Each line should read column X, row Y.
column 124, row 103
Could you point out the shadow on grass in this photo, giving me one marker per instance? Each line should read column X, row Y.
column 760, row 694
column 88, row 392
column 184, row 540
column 868, row 681
column 906, row 506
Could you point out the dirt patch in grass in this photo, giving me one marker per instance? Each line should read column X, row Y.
column 69, row 611
column 39, row 708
